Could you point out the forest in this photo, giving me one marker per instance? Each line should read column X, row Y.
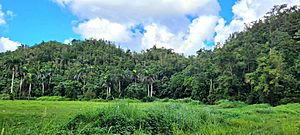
column 258, row 65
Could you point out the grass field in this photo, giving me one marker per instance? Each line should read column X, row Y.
column 63, row 117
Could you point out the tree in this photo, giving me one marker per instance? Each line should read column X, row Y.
column 269, row 78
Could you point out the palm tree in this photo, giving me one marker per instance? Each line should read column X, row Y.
column 13, row 64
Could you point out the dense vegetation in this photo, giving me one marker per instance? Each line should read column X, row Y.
column 122, row 117
column 258, row 65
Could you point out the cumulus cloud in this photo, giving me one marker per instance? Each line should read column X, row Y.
column 7, row 45
column 200, row 30
column 103, row 29
column 245, row 12
column 251, row 10
column 128, row 10
column 160, row 36
column 164, row 22
column 223, row 31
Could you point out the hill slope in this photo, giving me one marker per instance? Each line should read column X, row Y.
column 258, row 65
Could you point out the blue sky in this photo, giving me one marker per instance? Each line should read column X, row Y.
column 37, row 20
column 34, row 21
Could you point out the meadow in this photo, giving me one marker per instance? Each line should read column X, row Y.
column 134, row 117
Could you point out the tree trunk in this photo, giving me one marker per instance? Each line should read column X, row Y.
column 151, row 89
column 43, row 88
column 148, row 90
column 12, row 81
column 21, row 83
column 211, row 85
column 29, row 92
column 119, row 88
column 109, row 90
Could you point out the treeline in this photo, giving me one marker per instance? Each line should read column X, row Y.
column 258, row 65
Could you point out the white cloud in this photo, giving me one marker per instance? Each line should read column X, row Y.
column 165, row 21
column 7, row 45
column 62, row 2
column 251, row 10
column 68, row 41
column 5, row 16
column 200, row 30
column 170, row 13
column 223, row 31
column 128, row 10
column 10, row 14
column 103, row 29
column 2, row 15
column 245, row 12
column 160, row 36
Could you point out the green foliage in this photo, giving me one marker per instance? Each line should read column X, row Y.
column 136, row 90
column 4, row 96
column 149, row 99
column 230, row 104
column 53, row 98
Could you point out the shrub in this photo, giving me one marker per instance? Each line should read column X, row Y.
column 5, row 96
column 290, row 100
column 230, row 104
column 149, row 99
column 109, row 97
column 164, row 100
column 196, row 102
column 135, row 90
column 53, row 98
column 185, row 100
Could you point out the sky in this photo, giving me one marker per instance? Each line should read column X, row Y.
column 182, row 25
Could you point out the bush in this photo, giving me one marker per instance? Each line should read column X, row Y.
column 290, row 100
column 230, row 104
column 196, row 102
column 5, row 96
column 109, row 97
column 149, row 99
column 164, row 100
column 53, row 98
column 185, row 100
column 135, row 90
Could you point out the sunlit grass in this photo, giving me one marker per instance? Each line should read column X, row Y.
column 51, row 117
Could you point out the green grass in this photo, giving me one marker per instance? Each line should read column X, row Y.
column 80, row 117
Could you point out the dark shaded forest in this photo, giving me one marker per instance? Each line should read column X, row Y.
column 259, row 65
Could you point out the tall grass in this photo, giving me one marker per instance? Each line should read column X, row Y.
column 124, row 118
column 134, row 117
column 182, row 118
